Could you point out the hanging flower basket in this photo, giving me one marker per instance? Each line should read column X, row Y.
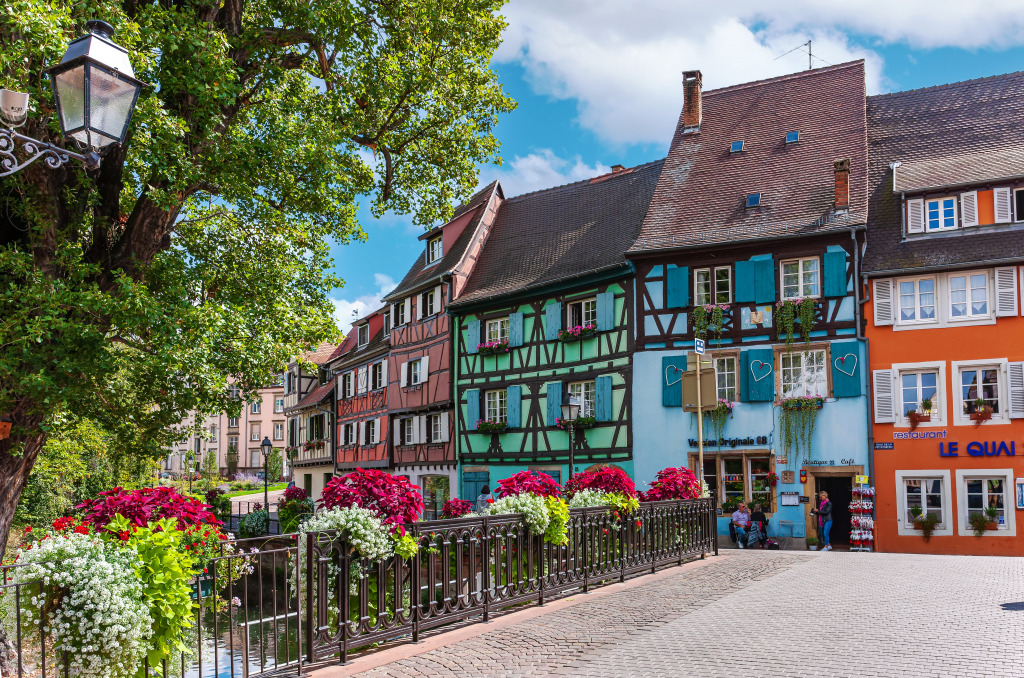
column 772, row 478
column 577, row 332
column 581, row 422
column 485, row 426
column 493, row 347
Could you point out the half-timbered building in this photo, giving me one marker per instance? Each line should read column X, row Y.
column 309, row 408
column 419, row 391
column 752, row 243
column 547, row 315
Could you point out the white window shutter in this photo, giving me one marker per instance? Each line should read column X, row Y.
column 1022, row 287
column 394, row 314
column 437, row 299
column 444, row 427
column 378, row 430
column 1006, row 291
column 421, row 429
column 1015, row 374
column 885, row 406
column 420, row 305
column 1001, row 198
column 398, row 432
column 882, row 302
column 969, row 208
column 915, row 216
column 384, row 372
column 403, row 374
column 361, row 439
column 424, row 368
column 363, row 376
column 406, row 316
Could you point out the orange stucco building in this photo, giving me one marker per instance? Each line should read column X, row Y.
column 944, row 272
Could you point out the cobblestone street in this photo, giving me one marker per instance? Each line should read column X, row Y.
column 752, row 613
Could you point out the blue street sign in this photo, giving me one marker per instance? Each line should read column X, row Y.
column 698, row 346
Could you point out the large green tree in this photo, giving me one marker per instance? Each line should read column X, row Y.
column 199, row 249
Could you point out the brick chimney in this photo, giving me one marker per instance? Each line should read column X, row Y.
column 691, row 100
column 842, row 173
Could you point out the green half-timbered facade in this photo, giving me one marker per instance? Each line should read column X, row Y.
column 547, row 314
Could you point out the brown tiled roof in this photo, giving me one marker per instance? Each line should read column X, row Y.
column 420, row 274
column 315, row 396
column 377, row 344
column 559, row 233
column 949, row 135
column 701, row 196
column 321, row 354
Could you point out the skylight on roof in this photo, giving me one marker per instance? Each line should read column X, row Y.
column 736, row 147
column 792, row 137
column 753, row 199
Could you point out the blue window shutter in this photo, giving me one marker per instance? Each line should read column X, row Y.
column 603, row 398
column 757, row 375
column 552, row 320
column 554, row 399
column 671, row 378
column 764, row 281
column 515, row 329
column 605, row 311
column 513, row 406
column 744, row 272
column 846, row 369
column 678, row 284
column 472, row 408
column 835, row 273
column 472, row 336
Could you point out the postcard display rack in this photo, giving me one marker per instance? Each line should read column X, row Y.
column 862, row 524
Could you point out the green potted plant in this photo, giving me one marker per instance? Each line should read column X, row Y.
column 926, row 522
column 984, row 521
column 812, row 543
column 978, row 411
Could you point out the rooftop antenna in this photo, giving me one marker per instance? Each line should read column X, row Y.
column 810, row 55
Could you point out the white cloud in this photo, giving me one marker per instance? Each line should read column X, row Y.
column 347, row 311
column 541, row 169
column 622, row 61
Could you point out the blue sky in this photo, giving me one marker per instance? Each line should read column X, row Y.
column 598, row 83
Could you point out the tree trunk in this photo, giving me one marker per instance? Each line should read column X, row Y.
column 14, row 472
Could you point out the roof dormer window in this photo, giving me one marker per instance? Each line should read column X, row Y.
column 736, row 147
column 435, row 249
column 792, row 137
column 753, row 199
column 364, row 335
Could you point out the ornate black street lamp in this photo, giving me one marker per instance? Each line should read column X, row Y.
column 95, row 90
column 570, row 413
column 266, row 447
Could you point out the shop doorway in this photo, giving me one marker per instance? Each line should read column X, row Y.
column 840, row 492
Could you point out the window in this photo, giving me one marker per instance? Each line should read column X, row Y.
column 496, row 404
column 583, row 312
column 732, row 481
column 941, row 214
column 984, row 493
column 289, row 383
column 399, row 313
column 348, row 434
column 736, row 147
column 753, row 200
column 233, row 392
column 416, row 371
column 1018, row 204
column 279, row 431
column 804, row 373
column 725, row 374
column 434, row 423
column 968, row 296
column 917, row 300
column 346, row 385
column 710, row 474
column 924, row 494
column 760, row 490
column 233, row 442
column 256, row 407
column 213, row 433
column 371, row 432
column 377, row 376
column 279, row 404
column 254, row 458
column 429, row 303
column 801, row 278
column 435, row 249
column 792, row 137
column 915, row 388
column 409, row 431
column 387, row 323
column 232, row 422
column 317, row 427
column 584, row 392
column 717, row 281
column 979, row 383
column 254, row 432
column 364, row 335
column 497, row 330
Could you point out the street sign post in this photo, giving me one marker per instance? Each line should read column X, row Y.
column 698, row 346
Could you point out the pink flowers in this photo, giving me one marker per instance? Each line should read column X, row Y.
column 393, row 498
column 489, row 347
column 142, row 506
column 528, row 482
column 605, row 479
column 294, row 492
column 577, row 332
column 673, row 483
column 490, row 426
column 456, row 508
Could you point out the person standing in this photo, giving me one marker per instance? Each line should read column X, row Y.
column 483, row 500
column 824, row 513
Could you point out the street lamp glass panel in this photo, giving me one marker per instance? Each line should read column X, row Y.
column 266, row 447
column 70, row 87
column 571, row 410
column 111, row 101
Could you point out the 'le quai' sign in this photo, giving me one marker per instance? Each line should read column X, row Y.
column 979, row 449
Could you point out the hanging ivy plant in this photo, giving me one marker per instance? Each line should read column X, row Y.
column 796, row 419
column 700, row 322
column 717, row 419
column 791, row 313
column 709, row 317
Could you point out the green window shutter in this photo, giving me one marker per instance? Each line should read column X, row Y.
column 472, row 408
column 515, row 329
column 678, row 284
column 671, row 378
column 605, row 311
column 835, row 273
column 846, row 369
column 744, row 272
column 603, row 398
column 554, row 401
column 764, row 281
column 513, row 406
column 552, row 320
column 472, row 336
column 757, row 375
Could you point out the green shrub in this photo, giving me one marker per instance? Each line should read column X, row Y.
column 295, row 512
column 256, row 524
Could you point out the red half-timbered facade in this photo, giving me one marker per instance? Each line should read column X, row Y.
column 361, row 376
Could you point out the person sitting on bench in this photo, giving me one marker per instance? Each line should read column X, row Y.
column 758, row 527
column 741, row 523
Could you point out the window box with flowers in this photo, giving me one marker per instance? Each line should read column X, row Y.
column 491, row 426
column 581, row 422
column 577, row 332
column 793, row 313
column 920, row 415
column 493, row 347
column 317, row 445
column 978, row 410
column 709, row 317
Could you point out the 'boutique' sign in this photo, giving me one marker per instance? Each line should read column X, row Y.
column 979, row 449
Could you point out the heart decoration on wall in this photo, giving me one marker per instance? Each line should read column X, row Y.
column 672, row 383
column 841, row 362
column 759, row 366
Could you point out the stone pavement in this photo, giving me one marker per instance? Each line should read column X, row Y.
column 751, row 613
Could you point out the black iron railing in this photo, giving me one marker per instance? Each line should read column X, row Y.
column 276, row 605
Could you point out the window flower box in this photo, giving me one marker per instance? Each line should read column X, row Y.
column 493, row 347
column 486, row 426
column 802, row 403
column 577, row 332
column 916, row 418
column 580, row 423
column 978, row 411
